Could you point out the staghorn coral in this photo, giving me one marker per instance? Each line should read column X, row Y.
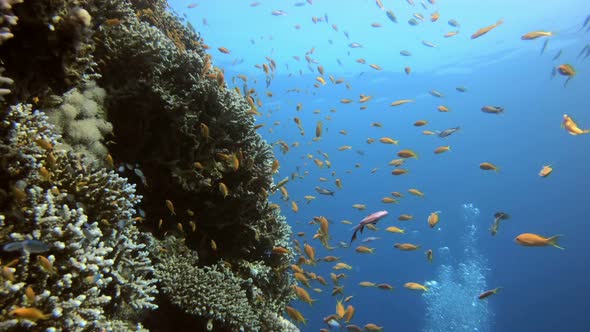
column 83, row 215
column 216, row 292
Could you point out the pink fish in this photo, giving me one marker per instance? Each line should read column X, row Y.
column 373, row 218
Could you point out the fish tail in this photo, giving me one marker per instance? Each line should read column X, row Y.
column 586, row 131
column 500, row 21
column 553, row 241
column 353, row 236
column 497, row 289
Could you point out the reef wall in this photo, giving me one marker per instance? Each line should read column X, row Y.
column 133, row 186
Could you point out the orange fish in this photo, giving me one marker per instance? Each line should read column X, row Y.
column 407, row 70
column 535, row 35
column 545, row 171
column 442, row 149
column 534, row 240
column 406, row 246
column 451, row 34
column 32, row 314
column 415, row 286
column 407, row 154
column 375, row 66
column 401, row 102
column 405, row 217
column 295, row 315
column 223, row 50
column 433, row 219
column 572, row 127
column 487, row 29
column 488, row 167
column 488, row 293
column 416, row 192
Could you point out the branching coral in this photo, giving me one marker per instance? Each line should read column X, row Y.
column 95, row 265
column 216, row 292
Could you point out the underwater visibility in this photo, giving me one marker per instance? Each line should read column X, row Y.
column 294, row 165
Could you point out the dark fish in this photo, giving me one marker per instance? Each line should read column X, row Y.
column 501, row 215
column 299, row 4
column 405, row 53
column 346, row 34
column 412, row 21
column 553, row 72
column 454, row 23
column 544, row 45
column 448, row 132
column 339, row 62
column 461, row 89
column 557, row 55
column 324, row 191
column 586, row 21
column 326, row 17
column 391, row 16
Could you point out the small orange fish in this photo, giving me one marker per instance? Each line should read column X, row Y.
column 295, row 315
column 415, row 286
column 416, row 192
column 487, row 29
column 401, row 102
column 407, row 70
column 534, row 240
column 170, row 207
column 433, row 219
column 375, row 66
column 488, row 167
column 406, row 246
column 364, row 250
column 405, row 217
column 535, row 35
column 407, row 153
column 545, row 171
column 451, row 34
column 32, row 314
column 488, row 293
column 572, row 127
column 224, row 50
column 46, row 264
column 442, row 149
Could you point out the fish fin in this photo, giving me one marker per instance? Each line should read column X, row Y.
column 353, row 236
column 553, row 241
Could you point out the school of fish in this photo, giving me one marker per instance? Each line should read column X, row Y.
column 317, row 231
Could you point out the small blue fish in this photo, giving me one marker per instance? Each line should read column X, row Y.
column 557, row 55
column 29, row 246
column 544, row 45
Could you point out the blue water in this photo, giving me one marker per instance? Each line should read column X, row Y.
column 544, row 289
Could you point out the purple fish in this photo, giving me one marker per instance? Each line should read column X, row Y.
column 373, row 218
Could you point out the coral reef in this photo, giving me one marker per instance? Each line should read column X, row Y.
column 95, row 266
column 131, row 72
column 81, row 120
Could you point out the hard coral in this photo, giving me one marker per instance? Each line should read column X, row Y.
column 96, row 273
